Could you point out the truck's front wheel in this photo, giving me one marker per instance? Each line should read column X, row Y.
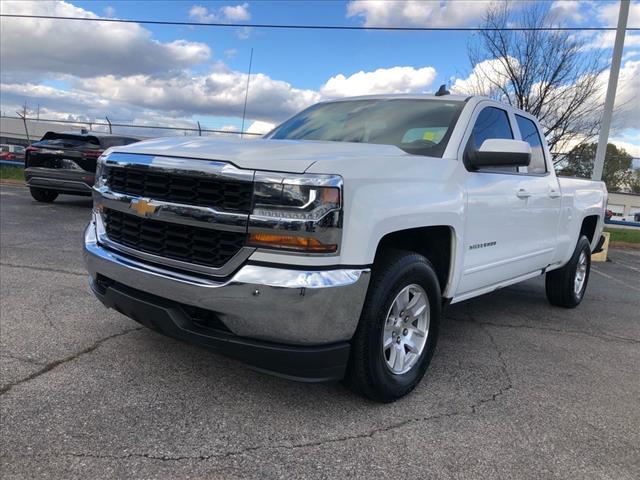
column 398, row 328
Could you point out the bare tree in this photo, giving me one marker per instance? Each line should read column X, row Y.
column 549, row 74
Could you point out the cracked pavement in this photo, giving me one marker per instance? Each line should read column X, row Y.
column 517, row 388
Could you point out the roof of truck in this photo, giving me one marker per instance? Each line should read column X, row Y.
column 416, row 96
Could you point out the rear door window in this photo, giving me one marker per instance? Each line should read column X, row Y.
column 530, row 134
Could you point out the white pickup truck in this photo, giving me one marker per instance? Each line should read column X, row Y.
column 326, row 249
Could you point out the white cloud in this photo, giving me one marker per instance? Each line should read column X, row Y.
column 226, row 13
column 73, row 101
column 632, row 149
column 201, row 14
column 244, row 32
column 236, row 13
column 122, row 73
column 220, row 92
column 82, row 106
column 382, row 80
column 261, row 127
column 602, row 40
column 626, row 113
column 608, row 14
column 417, row 13
column 217, row 93
column 230, row 52
column 567, row 9
column 38, row 46
column 627, row 104
column 109, row 11
column 483, row 77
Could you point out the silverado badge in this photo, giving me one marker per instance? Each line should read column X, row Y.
column 143, row 207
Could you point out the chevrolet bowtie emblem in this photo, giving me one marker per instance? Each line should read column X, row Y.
column 143, row 207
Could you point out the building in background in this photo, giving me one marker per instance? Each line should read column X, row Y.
column 624, row 204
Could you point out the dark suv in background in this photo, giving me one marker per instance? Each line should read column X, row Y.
column 66, row 162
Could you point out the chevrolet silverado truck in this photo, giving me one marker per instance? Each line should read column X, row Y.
column 326, row 249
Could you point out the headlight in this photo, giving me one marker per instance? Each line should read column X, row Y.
column 302, row 202
column 298, row 213
column 100, row 177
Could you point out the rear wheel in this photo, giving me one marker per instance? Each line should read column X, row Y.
column 566, row 286
column 398, row 328
column 43, row 195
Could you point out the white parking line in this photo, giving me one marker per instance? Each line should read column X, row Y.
column 629, row 267
column 614, row 279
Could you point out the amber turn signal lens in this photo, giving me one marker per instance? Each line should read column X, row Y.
column 290, row 242
column 331, row 196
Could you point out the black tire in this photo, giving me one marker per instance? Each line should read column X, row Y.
column 560, row 283
column 368, row 373
column 43, row 195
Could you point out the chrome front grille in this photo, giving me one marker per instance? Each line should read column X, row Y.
column 201, row 246
column 224, row 194
column 183, row 213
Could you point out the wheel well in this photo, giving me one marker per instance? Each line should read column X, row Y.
column 588, row 227
column 435, row 243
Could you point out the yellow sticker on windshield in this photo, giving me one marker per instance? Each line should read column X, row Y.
column 428, row 135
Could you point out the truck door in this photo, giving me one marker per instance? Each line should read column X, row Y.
column 544, row 203
column 499, row 239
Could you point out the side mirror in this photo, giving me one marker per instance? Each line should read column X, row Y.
column 499, row 152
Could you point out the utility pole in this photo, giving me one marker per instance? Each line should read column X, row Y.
column 24, row 121
column 614, row 72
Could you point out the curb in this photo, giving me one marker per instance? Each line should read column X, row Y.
column 12, row 182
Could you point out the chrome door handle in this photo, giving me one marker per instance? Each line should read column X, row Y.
column 522, row 193
column 553, row 193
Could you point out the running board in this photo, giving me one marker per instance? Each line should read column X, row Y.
column 497, row 286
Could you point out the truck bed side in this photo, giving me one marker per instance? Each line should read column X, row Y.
column 581, row 199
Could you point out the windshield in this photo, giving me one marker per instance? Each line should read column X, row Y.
column 417, row 126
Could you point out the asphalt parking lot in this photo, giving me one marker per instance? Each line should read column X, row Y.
column 517, row 388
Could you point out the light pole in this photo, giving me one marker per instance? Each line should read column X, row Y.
column 614, row 72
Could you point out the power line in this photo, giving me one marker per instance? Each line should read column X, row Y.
column 318, row 27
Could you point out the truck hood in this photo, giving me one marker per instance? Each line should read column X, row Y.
column 294, row 156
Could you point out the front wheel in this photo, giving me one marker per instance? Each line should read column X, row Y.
column 566, row 286
column 43, row 195
column 398, row 328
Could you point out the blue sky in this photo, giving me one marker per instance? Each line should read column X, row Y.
column 181, row 74
column 320, row 54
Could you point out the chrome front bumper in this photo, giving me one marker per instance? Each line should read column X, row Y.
column 297, row 307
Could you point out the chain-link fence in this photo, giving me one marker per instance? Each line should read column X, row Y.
column 143, row 130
